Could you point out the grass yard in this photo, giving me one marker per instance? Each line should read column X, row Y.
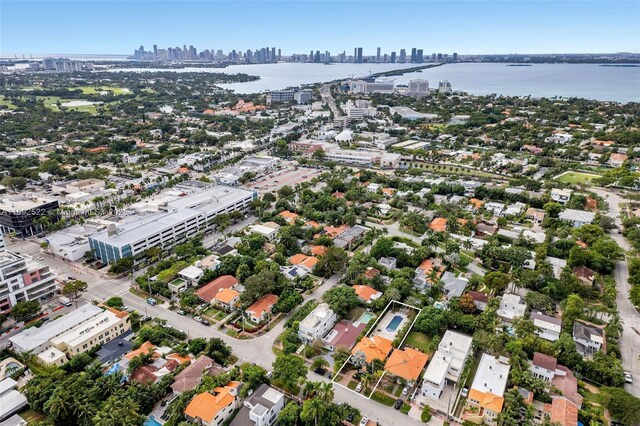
column 31, row 416
column 89, row 90
column 52, row 101
column 383, row 399
column 4, row 101
column 354, row 314
column 419, row 341
column 576, row 177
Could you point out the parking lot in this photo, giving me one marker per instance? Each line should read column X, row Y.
column 289, row 176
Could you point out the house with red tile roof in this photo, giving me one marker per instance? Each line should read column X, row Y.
column 213, row 408
column 428, row 273
column 406, row 363
column 304, row 261
column 290, row 217
column 438, row 224
column 208, row 292
column 366, row 293
column 370, row 348
column 261, row 308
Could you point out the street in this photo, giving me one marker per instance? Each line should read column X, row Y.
column 630, row 341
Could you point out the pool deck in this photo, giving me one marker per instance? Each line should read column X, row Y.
column 368, row 315
column 381, row 327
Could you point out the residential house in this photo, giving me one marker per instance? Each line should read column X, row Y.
column 480, row 299
column 389, row 263
column 487, row 389
column 191, row 274
column 535, row 215
column 343, row 335
column 316, row 325
column 227, row 298
column 289, row 217
column 191, row 376
column 557, row 265
column 261, row 308
column 370, row 348
column 293, row 272
column 589, row 338
column 447, row 363
column 616, row 160
column 426, row 272
column 208, row 292
column 350, row 237
column 213, row 408
column 577, row 217
column 406, row 363
column 269, row 230
column 485, row 229
column 261, row 408
column 584, row 274
column 11, row 399
column 305, row 262
column 543, row 366
column 366, row 293
column 452, row 285
column 438, row 224
column 370, row 273
column 511, row 307
column 496, row 208
column 547, row 327
column 561, row 196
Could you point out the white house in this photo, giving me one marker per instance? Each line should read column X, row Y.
column 543, row 366
column 589, row 338
column 317, row 324
column 511, row 307
column 561, row 195
column 191, row 273
column 547, row 327
column 487, row 389
column 268, row 230
column 577, row 217
column 261, row 408
column 446, row 364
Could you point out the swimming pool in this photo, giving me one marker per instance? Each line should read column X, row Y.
column 151, row 421
column 364, row 318
column 394, row 323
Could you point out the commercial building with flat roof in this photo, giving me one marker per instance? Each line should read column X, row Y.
column 19, row 213
column 23, row 279
column 181, row 219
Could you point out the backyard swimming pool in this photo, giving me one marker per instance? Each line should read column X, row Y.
column 364, row 318
column 394, row 323
column 151, row 421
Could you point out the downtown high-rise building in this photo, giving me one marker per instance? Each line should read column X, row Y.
column 359, row 56
column 393, row 57
column 414, row 53
column 378, row 56
column 419, row 56
column 455, row 57
column 403, row 56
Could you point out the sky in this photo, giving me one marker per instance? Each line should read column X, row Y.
column 466, row 27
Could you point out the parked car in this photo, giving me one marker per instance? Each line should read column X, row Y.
column 180, row 312
column 320, row 371
column 350, row 417
column 269, row 374
column 465, row 392
column 405, row 391
column 197, row 319
column 151, row 301
column 398, row 404
column 364, row 421
column 359, row 387
column 205, row 322
column 628, row 377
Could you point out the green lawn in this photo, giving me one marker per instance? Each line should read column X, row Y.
column 89, row 90
column 31, row 416
column 52, row 101
column 4, row 101
column 383, row 399
column 576, row 177
column 418, row 340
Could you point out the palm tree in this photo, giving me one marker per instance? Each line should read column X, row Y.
column 312, row 409
column 326, row 392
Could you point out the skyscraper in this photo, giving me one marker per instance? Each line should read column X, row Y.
column 419, row 58
column 439, row 57
column 273, row 54
column 359, row 55
column 378, row 56
column 455, row 57
column 155, row 51
column 279, row 54
column 413, row 54
column 403, row 56
column 393, row 57
column 355, row 54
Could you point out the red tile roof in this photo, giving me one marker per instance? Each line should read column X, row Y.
column 208, row 292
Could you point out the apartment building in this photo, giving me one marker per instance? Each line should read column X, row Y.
column 352, row 157
column 180, row 220
column 23, row 279
column 317, row 324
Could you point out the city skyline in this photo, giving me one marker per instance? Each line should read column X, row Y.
column 472, row 27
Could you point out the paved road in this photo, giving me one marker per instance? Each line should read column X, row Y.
column 630, row 341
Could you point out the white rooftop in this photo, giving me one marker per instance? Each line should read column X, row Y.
column 33, row 337
column 92, row 326
column 492, row 375
column 319, row 313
